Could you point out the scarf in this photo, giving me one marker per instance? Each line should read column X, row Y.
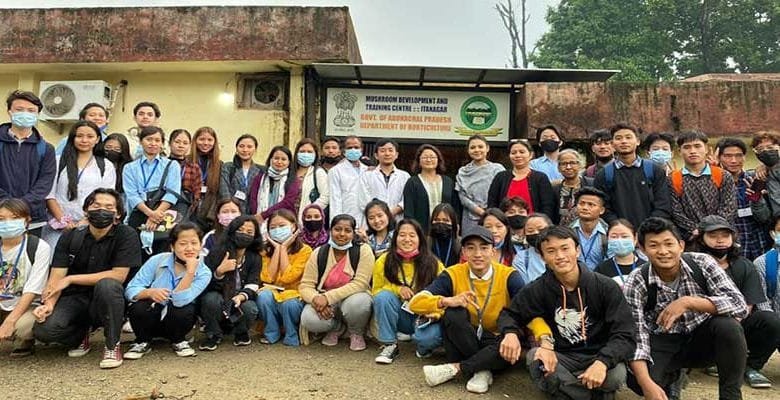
column 318, row 238
column 267, row 195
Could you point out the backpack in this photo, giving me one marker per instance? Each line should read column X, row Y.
column 322, row 260
column 652, row 290
column 32, row 247
column 100, row 161
column 677, row 179
column 40, row 148
column 609, row 173
column 771, row 273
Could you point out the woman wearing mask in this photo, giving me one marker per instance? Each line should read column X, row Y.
column 338, row 298
column 238, row 174
column 516, row 211
column 79, row 172
column 445, row 234
column 24, row 267
column 407, row 268
column 229, row 300
column 284, row 260
column 528, row 261
column 622, row 257
column 429, row 188
column 380, row 225
column 313, row 232
column 496, row 222
column 116, row 149
column 181, row 142
column 227, row 211
column 314, row 179
column 162, row 294
column 205, row 152
column 659, row 148
column 473, row 180
column 278, row 188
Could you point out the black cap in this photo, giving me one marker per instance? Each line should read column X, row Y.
column 476, row 232
column 712, row 223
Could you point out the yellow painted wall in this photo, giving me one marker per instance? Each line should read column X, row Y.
column 187, row 100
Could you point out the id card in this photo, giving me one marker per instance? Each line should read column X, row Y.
column 479, row 332
column 405, row 307
column 240, row 195
column 204, row 189
column 744, row 212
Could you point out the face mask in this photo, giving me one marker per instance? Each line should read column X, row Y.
column 242, row 240
column 441, row 230
column 661, row 156
column 499, row 245
column 605, row 160
column 280, row 233
column 113, row 156
column 407, row 255
column 717, row 253
column 517, row 221
column 517, row 239
column 179, row 260
column 101, row 218
column 226, row 219
column 335, row 246
column 769, row 158
column 776, row 236
column 305, row 159
column 313, row 225
column 353, row 154
column 531, row 239
column 548, row 146
column 24, row 119
column 331, row 160
column 620, row 247
column 12, row 228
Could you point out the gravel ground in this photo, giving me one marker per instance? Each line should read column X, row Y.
column 271, row 372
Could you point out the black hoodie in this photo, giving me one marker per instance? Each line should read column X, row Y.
column 607, row 321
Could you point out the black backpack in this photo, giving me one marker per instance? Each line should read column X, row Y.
column 652, row 290
column 322, row 260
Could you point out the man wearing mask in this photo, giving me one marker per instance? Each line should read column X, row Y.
column 659, row 148
column 331, row 153
column 27, row 162
column 601, row 148
column 550, row 140
column 343, row 180
column 516, row 211
column 85, row 290
column 766, row 145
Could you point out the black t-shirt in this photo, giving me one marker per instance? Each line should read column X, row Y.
column 607, row 267
column 745, row 276
column 120, row 247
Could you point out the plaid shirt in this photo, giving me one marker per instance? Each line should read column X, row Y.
column 723, row 294
column 753, row 238
column 190, row 179
column 772, row 304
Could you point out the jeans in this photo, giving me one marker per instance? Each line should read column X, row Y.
column 355, row 311
column 391, row 319
column 75, row 314
column 563, row 382
column 211, row 311
column 145, row 318
column 286, row 313
column 462, row 345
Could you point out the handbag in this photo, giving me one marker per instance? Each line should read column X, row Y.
column 315, row 193
column 153, row 200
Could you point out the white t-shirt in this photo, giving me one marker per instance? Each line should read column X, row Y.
column 89, row 181
column 30, row 278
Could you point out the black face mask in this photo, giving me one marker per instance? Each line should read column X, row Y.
column 330, row 160
column 531, row 239
column 517, row 221
column 605, row 160
column 548, row 146
column 313, row 225
column 101, row 218
column 441, row 230
column 113, row 156
column 242, row 240
column 717, row 253
column 179, row 260
column 770, row 158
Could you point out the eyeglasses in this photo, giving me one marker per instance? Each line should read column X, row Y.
column 569, row 163
column 429, row 158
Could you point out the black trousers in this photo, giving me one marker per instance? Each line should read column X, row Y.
column 762, row 333
column 75, row 314
column 145, row 318
column 720, row 341
column 462, row 345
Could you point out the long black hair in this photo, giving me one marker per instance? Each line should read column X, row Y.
column 227, row 241
column 425, row 264
column 385, row 209
column 237, row 162
column 70, row 156
column 290, row 217
column 508, row 249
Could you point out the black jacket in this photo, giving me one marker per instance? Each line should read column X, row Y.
column 542, row 194
column 249, row 274
column 416, row 199
column 609, row 324
column 631, row 197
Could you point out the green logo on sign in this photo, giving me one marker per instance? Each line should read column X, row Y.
column 478, row 113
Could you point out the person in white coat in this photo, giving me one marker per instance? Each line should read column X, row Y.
column 344, row 179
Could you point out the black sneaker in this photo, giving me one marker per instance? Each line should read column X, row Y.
column 210, row 343
column 242, row 339
column 25, row 349
column 756, row 379
column 387, row 354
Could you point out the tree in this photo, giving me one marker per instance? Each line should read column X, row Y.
column 516, row 35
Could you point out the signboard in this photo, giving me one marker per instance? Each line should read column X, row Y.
column 417, row 114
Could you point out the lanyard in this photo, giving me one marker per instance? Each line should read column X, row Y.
column 619, row 272
column 593, row 239
column 203, row 170
column 481, row 310
column 244, row 176
column 14, row 269
column 78, row 177
column 438, row 251
column 143, row 172
column 527, row 258
column 403, row 276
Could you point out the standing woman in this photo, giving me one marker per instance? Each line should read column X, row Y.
column 314, row 179
column 181, row 142
column 278, row 188
column 429, row 188
column 338, row 298
column 284, row 259
column 445, row 234
column 473, row 181
column 116, row 149
column 313, row 232
column 79, row 172
column 205, row 152
column 532, row 186
column 238, row 174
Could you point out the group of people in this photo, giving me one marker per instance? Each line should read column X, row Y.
column 627, row 271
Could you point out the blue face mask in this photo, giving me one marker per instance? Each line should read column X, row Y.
column 620, row 247
column 776, row 236
column 24, row 119
column 306, row 159
column 147, row 240
column 12, row 228
column 661, row 156
column 280, row 233
column 335, row 246
column 353, row 154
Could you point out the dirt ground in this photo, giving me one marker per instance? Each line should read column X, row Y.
column 271, row 372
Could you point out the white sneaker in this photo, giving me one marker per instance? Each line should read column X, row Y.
column 438, row 374
column 403, row 337
column 82, row 349
column 126, row 327
column 480, row 382
column 388, row 353
column 183, row 349
column 137, row 350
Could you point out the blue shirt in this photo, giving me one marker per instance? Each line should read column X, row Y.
column 158, row 273
column 547, row 167
column 529, row 264
column 706, row 171
column 142, row 176
column 591, row 248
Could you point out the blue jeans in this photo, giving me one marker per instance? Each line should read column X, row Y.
column 274, row 314
column 390, row 319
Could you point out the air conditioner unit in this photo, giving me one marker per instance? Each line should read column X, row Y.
column 62, row 100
